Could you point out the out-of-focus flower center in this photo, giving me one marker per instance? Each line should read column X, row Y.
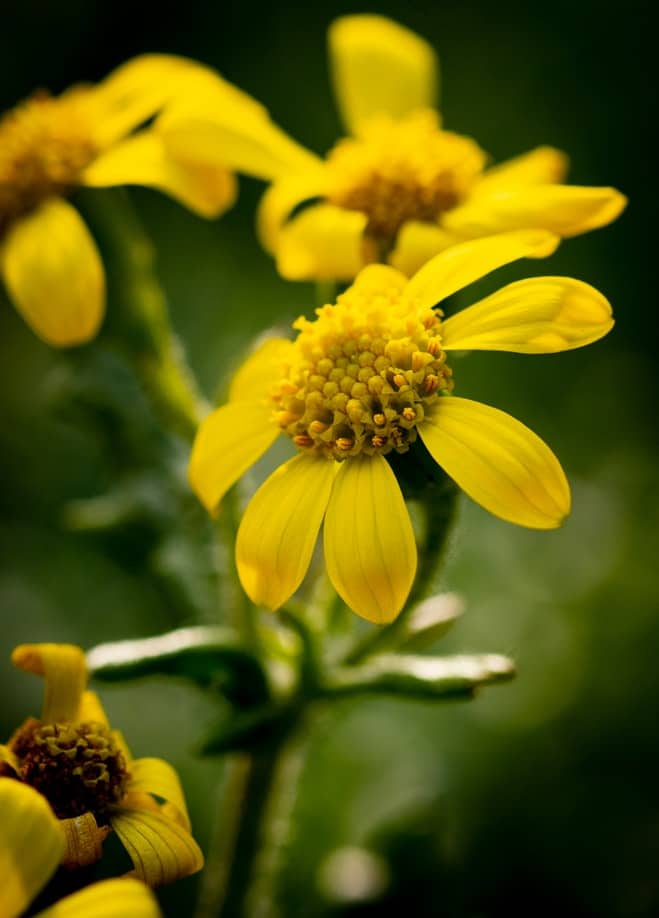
column 78, row 767
column 402, row 170
column 362, row 375
column 45, row 142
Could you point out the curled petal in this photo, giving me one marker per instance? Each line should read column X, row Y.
column 370, row 551
column 158, row 778
column 322, row 243
column 498, row 462
column 84, row 841
column 65, row 673
column 542, row 315
column 161, row 850
column 91, row 710
column 117, row 898
column 281, row 199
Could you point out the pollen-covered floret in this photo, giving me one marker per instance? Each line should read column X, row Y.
column 400, row 170
column 45, row 143
column 362, row 375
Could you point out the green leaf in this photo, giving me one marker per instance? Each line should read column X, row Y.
column 246, row 730
column 420, row 677
column 212, row 657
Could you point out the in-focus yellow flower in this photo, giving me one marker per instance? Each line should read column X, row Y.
column 32, row 845
column 365, row 378
column 89, row 136
column 86, row 772
column 400, row 188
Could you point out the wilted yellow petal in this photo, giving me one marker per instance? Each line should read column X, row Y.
column 65, row 675
column 278, row 531
column 567, row 210
column 463, row 264
column 231, row 439
column 84, row 841
column 157, row 777
column 280, row 200
column 31, row 845
column 541, row 166
column 143, row 160
column 370, row 551
column 417, row 243
column 379, row 67
column 322, row 243
column 120, row 898
column 259, row 371
column 541, row 315
column 54, row 274
column 498, row 462
column 161, row 850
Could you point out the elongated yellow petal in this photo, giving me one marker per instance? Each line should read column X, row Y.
column 541, row 166
column 84, row 841
column 541, row 315
column 278, row 532
column 498, row 462
column 231, row 439
column 8, row 761
column 161, row 850
column 54, row 274
column 31, row 845
column 417, row 243
column 157, row 777
column 120, row 898
column 65, row 674
column 380, row 67
column 262, row 368
column 281, row 199
column 567, row 210
column 143, row 160
column 91, row 709
column 322, row 243
column 463, row 264
column 370, row 551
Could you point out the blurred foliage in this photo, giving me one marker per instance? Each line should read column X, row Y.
column 539, row 797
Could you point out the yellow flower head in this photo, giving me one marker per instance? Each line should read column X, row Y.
column 399, row 188
column 85, row 771
column 367, row 377
column 89, row 136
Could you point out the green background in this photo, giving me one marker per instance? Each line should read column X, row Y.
column 541, row 796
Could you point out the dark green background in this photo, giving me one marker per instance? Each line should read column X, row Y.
column 541, row 796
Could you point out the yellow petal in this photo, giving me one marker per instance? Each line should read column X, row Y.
column 119, row 898
column 281, row 199
column 278, row 532
column 322, row 243
column 262, row 368
column 158, row 778
column 541, row 315
column 84, row 841
column 231, row 439
column 65, row 674
column 567, row 210
column 417, row 243
column 379, row 67
column 541, row 166
column 91, row 709
column 161, row 850
column 54, row 274
column 143, row 160
column 379, row 279
column 370, row 551
column 31, row 845
column 463, row 264
column 8, row 761
column 498, row 462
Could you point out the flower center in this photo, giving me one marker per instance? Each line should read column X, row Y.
column 77, row 767
column 402, row 170
column 44, row 145
column 362, row 375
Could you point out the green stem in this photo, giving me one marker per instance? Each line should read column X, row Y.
column 138, row 318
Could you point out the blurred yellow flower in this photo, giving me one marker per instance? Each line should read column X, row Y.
column 365, row 378
column 400, row 189
column 86, row 772
column 88, row 137
column 31, row 848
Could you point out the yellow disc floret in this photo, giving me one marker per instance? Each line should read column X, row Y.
column 400, row 170
column 45, row 142
column 362, row 375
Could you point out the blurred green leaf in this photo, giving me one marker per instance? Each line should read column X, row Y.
column 430, row 620
column 246, row 730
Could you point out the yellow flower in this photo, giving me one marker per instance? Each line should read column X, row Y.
column 367, row 377
column 400, row 189
column 31, row 848
column 86, row 772
column 87, row 137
